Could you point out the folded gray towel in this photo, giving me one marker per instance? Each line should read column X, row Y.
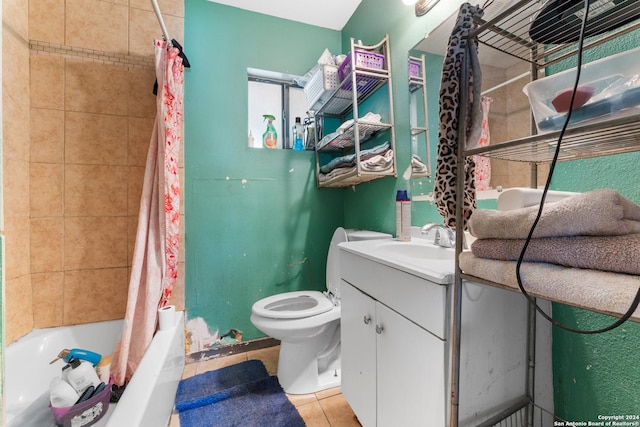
column 602, row 291
column 607, row 253
column 602, row 212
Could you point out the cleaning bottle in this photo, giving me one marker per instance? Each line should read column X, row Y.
column 309, row 125
column 82, row 375
column 78, row 353
column 270, row 137
column 250, row 139
column 403, row 216
column 61, row 393
column 298, row 135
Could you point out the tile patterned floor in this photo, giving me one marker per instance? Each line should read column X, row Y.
column 327, row 408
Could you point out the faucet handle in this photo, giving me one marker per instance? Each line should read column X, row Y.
column 450, row 235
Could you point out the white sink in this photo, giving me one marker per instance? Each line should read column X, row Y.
column 419, row 257
column 420, row 249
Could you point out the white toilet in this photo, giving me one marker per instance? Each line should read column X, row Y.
column 307, row 323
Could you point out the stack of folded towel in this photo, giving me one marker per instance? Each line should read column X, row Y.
column 376, row 159
column 597, row 230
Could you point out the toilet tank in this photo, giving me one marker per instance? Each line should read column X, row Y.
column 356, row 235
column 333, row 263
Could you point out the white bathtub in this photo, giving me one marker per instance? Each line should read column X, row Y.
column 147, row 401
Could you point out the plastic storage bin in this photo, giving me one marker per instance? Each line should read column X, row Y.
column 321, row 86
column 85, row 413
column 610, row 88
column 364, row 59
column 414, row 68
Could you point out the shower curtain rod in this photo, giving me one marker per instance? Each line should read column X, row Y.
column 508, row 82
column 161, row 21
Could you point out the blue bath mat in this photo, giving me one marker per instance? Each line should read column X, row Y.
column 210, row 386
column 241, row 395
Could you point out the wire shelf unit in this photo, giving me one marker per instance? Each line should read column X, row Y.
column 509, row 32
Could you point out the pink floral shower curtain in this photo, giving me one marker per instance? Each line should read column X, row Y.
column 483, row 164
column 154, row 268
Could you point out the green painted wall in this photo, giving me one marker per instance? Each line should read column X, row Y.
column 593, row 375
column 256, row 225
column 597, row 374
column 246, row 239
column 371, row 205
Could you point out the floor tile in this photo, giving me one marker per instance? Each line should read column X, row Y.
column 268, row 356
column 190, row 370
column 313, row 415
column 220, row 362
column 174, row 421
column 338, row 411
column 328, row 393
column 301, row 399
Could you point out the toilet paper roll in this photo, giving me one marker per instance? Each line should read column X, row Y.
column 167, row 317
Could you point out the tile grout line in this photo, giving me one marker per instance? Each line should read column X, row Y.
column 109, row 58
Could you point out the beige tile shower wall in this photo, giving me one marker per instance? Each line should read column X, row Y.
column 18, row 302
column 509, row 118
column 74, row 186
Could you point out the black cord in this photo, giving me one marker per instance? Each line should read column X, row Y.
column 552, row 166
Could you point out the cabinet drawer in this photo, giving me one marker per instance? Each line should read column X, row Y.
column 419, row 300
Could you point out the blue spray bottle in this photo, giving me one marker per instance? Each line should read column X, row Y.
column 77, row 353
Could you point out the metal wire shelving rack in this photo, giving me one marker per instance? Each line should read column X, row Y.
column 508, row 32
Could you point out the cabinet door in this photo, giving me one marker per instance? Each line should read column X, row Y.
column 358, row 342
column 410, row 371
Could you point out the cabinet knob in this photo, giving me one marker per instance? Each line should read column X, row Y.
column 367, row 319
column 379, row 329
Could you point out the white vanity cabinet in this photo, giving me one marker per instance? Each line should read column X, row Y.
column 393, row 367
column 396, row 320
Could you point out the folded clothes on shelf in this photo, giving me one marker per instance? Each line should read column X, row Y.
column 598, row 290
column 350, row 159
column 607, row 253
column 418, row 167
column 322, row 177
column 369, row 117
column 376, row 163
column 379, row 162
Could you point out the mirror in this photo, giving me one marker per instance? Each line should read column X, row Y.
column 421, row 174
column 420, row 156
column 507, row 110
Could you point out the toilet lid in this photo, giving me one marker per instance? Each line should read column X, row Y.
column 333, row 261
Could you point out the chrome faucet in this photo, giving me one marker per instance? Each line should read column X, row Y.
column 450, row 236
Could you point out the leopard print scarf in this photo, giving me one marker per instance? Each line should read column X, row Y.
column 446, row 163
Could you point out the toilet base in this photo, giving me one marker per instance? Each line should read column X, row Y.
column 309, row 367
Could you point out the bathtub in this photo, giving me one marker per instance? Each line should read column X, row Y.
column 147, row 401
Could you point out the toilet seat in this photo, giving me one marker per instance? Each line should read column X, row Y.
column 301, row 304
column 293, row 305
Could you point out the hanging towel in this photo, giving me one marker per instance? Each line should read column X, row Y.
column 446, row 164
